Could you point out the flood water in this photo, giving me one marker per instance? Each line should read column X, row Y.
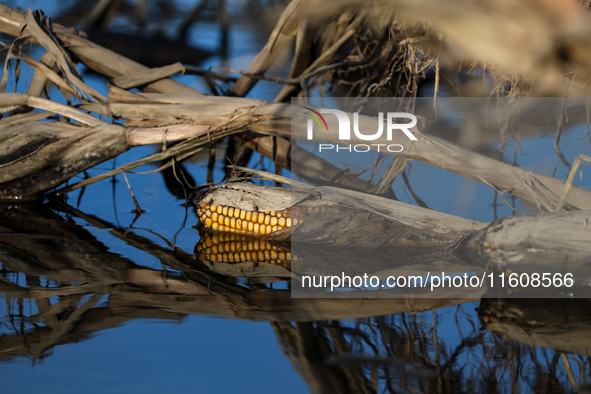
column 96, row 300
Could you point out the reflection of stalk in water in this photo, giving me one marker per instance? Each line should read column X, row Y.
column 40, row 244
column 403, row 353
column 386, row 349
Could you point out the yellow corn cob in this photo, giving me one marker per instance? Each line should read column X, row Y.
column 238, row 221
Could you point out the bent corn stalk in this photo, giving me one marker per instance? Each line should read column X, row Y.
column 268, row 118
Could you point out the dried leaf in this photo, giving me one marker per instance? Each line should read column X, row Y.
column 48, row 40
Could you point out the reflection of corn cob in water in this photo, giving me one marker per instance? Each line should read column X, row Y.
column 233, row 248
column 236, row 220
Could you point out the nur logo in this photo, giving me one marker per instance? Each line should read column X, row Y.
column 345, row 128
